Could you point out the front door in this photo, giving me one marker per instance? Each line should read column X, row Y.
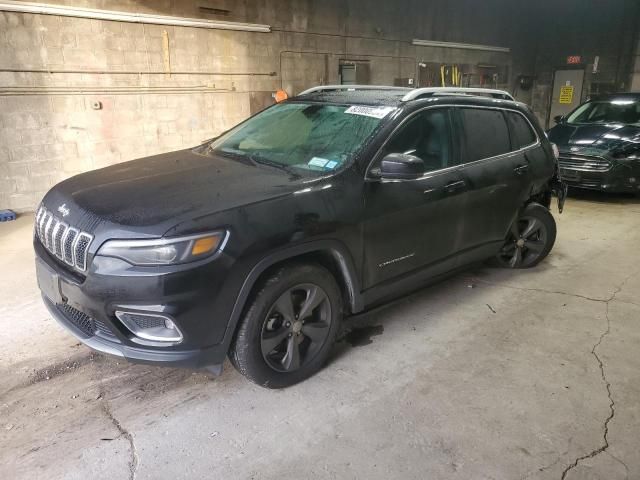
column 413, row 224
column 567, row 91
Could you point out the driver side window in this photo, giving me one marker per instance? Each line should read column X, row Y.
column 427, row 135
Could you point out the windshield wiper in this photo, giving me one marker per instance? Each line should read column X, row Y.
column 253, row 159
column 270, row 163
column 235, row 154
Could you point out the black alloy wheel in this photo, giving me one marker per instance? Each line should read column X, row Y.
column 296, row 327
column 530, row 238
column 289, row 325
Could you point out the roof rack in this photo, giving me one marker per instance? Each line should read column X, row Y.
column 430, row 91
column 329, row 88
column 413, row 94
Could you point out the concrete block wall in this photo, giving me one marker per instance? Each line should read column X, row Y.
column 50, row 126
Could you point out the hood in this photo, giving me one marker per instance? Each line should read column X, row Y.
column 608, row 137
column 163, row 190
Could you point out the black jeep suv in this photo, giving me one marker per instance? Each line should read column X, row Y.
column 256, row 244
column 599, row 144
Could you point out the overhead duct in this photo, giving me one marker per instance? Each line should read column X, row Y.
column 116, row 16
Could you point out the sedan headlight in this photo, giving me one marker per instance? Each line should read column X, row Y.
column 165, row 251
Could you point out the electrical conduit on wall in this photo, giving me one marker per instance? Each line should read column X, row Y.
column 65, row 11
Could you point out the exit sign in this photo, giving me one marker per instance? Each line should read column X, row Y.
column 574, row 60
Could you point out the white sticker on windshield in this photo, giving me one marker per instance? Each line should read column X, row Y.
column 375, row 112
column 318, row 162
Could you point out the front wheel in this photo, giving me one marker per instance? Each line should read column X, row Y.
column 289, row 326
column 530, row 238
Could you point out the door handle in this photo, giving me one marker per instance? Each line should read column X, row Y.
column 521, row 169
column 455, row 186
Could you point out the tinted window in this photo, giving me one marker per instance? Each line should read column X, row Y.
column 486, row 133
column 521, row 132
column 427, row 136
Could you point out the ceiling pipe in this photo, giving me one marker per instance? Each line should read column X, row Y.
column 465, row 46
column 117, row 16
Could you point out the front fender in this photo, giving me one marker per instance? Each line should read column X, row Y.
column 335, row 248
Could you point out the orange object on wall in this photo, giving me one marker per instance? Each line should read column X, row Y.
column 280, row 96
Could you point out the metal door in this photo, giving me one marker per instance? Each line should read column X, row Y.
column 567, row 92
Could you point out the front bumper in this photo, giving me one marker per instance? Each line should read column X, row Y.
column 190, row 295
column 619, row 179
column 206, row 357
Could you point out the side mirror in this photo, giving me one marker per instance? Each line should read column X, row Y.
column 401, row 166
column 558, row 119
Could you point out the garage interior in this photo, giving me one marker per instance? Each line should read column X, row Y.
column 503, row 374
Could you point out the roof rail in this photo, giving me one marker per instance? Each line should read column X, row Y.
column 427, row 92
column 328, row 88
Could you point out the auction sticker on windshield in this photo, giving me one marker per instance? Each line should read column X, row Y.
column 322, row 163
column 375, row 112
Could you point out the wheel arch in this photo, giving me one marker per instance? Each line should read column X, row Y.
column 331, row 254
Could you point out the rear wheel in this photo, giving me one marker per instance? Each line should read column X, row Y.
column 289, row 327
column 530, row 238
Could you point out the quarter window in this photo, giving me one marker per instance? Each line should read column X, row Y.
column 486, row 133
column 521, row 133
column 427, row 136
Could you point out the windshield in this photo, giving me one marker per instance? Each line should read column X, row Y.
column 313, row 137
column 624, row 111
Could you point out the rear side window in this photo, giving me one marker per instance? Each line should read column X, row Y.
column 522, row 134
column 486, row 133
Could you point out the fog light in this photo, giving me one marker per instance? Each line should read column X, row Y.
column 632, row 180
column 151, row 327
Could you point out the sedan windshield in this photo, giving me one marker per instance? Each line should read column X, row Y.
column 625, row 111
column 316, row 137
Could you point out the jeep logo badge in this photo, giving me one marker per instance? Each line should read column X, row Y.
column 64, row 210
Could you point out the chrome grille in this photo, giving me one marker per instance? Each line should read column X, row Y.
column 67, row 245
column 61, row 240
column 584, row 163
column 58, row 234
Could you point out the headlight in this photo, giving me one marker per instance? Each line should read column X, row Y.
column 165, row 251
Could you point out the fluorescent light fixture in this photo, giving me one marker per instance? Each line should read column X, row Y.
column 465, row 46
column 623, row 102
column 129, row 17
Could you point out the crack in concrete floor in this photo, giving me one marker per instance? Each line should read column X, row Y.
column 133, row 461
column 603, row 448
column 612, row 403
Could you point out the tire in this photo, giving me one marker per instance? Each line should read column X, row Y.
column 282, row 313
column 530, row 238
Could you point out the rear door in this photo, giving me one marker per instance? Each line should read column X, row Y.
column 498, row 179
column 413, row 224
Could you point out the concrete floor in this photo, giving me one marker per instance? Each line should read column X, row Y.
column 494, row 374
